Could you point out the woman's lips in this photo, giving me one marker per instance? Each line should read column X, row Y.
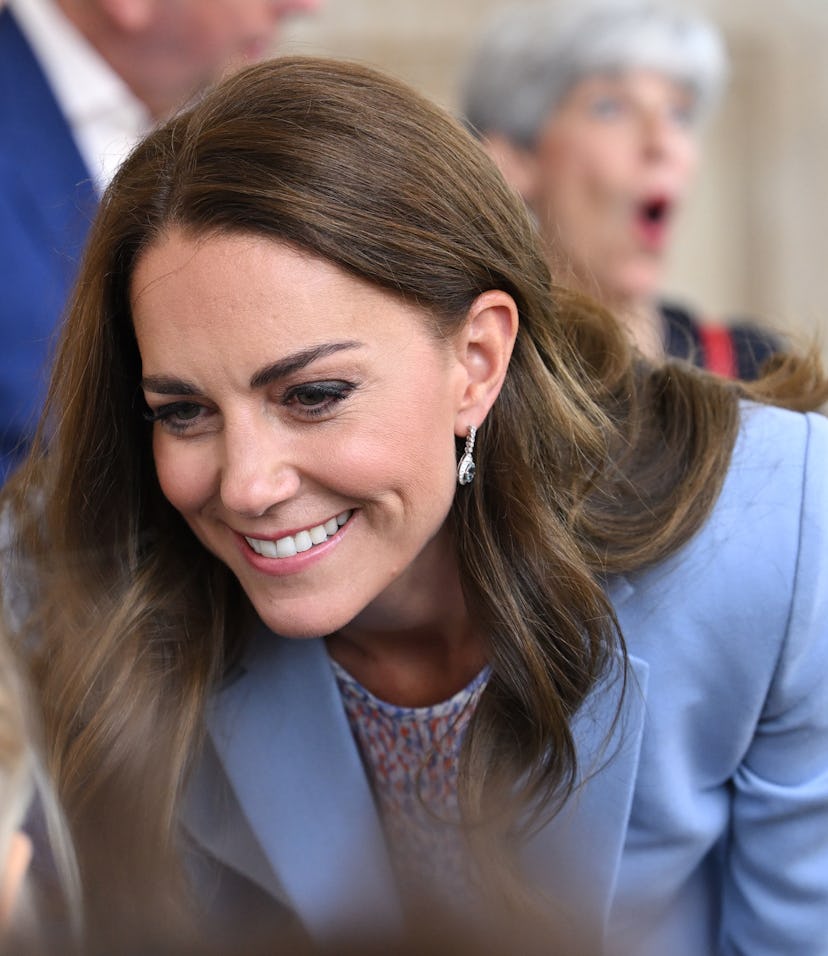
column 292, row 544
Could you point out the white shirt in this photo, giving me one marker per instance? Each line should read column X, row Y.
column 105, row 116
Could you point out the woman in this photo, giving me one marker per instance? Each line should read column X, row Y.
column 595, row 116
column 338, row 513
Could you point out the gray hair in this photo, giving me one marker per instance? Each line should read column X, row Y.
column 530, row 56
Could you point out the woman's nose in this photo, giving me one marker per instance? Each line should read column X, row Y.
column 662, row 135
column 257, row 472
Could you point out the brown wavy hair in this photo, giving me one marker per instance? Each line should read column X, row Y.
column 591, row 462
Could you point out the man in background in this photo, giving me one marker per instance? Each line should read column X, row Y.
column 80, row 82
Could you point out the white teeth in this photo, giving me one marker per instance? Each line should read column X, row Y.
column 285, row 547
column 318, row 534
column 269, row 549
column 303, row 541
column 290, row 545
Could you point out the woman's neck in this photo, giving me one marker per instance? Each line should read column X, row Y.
column 415, row 644
column 416, row 668
column 639, row 315
column 644, row 324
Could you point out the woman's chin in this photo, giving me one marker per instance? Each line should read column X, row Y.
column 300, row 626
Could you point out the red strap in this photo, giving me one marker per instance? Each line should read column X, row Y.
column 717, row 350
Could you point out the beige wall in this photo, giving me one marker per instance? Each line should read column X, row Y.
column 753, row 240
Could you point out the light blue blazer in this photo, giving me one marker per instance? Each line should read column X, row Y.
column 701, row 827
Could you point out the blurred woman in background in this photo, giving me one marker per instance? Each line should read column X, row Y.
column 594, row 113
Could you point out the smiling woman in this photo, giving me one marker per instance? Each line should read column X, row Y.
column 299, row 416
column 366, row 564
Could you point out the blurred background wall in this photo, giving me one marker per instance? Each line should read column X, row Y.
column 753, row 240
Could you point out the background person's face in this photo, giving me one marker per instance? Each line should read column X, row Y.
column 192, row 43
column 211, row 33
column 611, row 169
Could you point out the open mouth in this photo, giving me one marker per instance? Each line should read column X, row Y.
column 653, row 218
column 654, row 211
column 293, row 544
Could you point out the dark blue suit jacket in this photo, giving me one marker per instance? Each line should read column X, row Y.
column 47, row 201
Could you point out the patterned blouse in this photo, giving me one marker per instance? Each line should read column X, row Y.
column 411, row 759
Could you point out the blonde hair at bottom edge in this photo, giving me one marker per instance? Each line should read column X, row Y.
column 24, row 787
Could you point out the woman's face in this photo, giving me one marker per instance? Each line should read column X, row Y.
column 304, row 426
column 611, row 170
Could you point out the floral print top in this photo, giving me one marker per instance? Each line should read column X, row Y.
column 411, row 759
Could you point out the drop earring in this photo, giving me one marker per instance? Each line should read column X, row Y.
column 466, row 468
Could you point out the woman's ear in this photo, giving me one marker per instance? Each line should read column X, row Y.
column 517, row 164
column 484, row 348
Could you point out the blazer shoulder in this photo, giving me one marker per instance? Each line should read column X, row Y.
column 748, row 565
column 777, row 457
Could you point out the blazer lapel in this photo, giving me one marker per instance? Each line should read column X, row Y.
column 280, row 735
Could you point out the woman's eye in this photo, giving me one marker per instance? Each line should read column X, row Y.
column 177, row 416
column 606, row 107
column 316, row 398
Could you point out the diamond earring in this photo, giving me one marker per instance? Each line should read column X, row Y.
column 466, row 468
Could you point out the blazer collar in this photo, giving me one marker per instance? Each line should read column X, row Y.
column 302, row 822
column 281, row 736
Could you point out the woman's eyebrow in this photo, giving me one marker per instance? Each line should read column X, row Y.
column 166, row 385
column 298, row 360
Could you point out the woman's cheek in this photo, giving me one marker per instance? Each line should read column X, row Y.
column 186, row 475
